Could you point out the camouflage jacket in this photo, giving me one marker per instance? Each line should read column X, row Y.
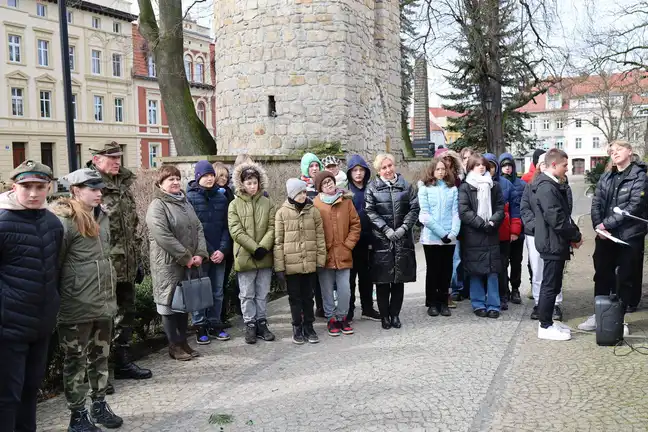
column 119, row 203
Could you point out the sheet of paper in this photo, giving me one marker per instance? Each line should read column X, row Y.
column 610, row 237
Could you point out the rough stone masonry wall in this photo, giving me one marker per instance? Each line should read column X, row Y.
column 332, row 79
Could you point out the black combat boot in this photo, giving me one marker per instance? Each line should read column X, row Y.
column 126, row 369
column 103, row 415
column 80, row 422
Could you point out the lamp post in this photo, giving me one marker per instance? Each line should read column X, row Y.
column 488, row 104
column 67, row 86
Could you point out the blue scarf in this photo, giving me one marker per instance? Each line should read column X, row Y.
column 330, row 199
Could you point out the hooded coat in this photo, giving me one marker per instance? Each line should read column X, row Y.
column 30, row 241
column 175, row 235
column 512, row 223
column 306, row 160
column 88, row 277
column 392, row 206
column 211, row 206
column 251, row 221
column 480, row 250
column 359, row 195
column 341, row 230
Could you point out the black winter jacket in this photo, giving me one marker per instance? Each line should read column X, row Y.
column 630, row 196
column 30, row 241
column 480, row 245
column 392, row 207
column 554, row 228
column 528, row 208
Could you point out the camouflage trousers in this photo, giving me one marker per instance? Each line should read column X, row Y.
column 125, row 318
column 86, row 347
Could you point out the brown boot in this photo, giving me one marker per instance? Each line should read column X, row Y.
column 176, row 352
column 186, row 348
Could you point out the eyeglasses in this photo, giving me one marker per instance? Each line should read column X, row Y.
column 328, row 182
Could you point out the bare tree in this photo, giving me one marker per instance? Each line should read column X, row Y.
column 164, row 35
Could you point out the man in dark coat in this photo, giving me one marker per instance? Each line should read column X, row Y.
column 30, row 240
column 555, row 234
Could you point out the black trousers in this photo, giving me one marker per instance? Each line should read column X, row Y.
column 637, row 284
column 390, row 298
column 607, row 257
column 229, row 292
column 552, row 279
column 360, row 271
column 515, row 261
column 22, row 368
column 438, row 275
column 300, row 297
column 502, row 277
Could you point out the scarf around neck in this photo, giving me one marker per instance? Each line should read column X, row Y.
column 298, row 205
column 391, row 182
column 483, row 184
column 330, row 199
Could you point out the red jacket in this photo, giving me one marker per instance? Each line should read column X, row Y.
column 528, row 176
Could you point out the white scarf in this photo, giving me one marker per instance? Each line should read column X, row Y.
column 483, row 184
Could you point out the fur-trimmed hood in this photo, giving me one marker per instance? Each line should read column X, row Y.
column 238, row 183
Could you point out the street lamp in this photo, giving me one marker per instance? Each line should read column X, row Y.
column 67, row 86
column 489, row 103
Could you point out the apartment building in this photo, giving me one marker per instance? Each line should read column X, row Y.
column 32, row 119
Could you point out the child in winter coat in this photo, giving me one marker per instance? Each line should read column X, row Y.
column 438, row 199
column 342, row 232
column 251, row 220
column 310, row 166
column 481, row 209
column 88, row 301
column 210, row 204
column 299, row 250
column 332, row 164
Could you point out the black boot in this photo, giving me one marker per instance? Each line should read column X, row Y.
column 298, row 334
column 516, row 298
column 263, row 332
column 80, row 422
column 386, row 323
column 250, row 333
column 103, row 415
column 126, row 369
column 395, row 322
column 309, row 333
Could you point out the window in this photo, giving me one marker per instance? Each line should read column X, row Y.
column 154, row 152
column 199, row 75
column 69, row 17
column 72, row 60
column 119, row 110
column 201, row 112
column 98, row 108
column 17, row 104
column 96, row 23
column 74, row 108
column 45, row 104
column 595, row 121
column 579, row 143
column 545, row 145
column 116, row 27
column 272, row 106
column 41, row 10
column 545, row 124
column 19, row 154
column 188, row 66
column 14, row 49
column 47, row 154
column 152, row 112
column 79, row 156
column 532, row 124
column 43, row 52
column 559, row 124
column 117, row 65
column 96, row 62
column 596, row 142
column 559, row 144
column 151, row 66
column 579, row 123
column 12, row 3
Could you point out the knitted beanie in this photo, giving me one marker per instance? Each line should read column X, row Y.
column 203, row 167
column 294, row 187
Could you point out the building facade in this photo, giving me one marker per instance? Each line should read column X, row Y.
column 153, row 136
column 32, row 119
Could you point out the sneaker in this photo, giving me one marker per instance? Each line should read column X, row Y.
column 534, row 314
column 80, row 422
column 562, row 327
column 557, row 313
column 433, row 311
column 372, row 315
column 333, row 327
column 451, row 303
column 222, row 336
column 515, row 297
column 101, row 414
column 250, row 333
column 445, row 311
column 589, row 324
column 309, row 333
column 202, row 337
column 345, row 327
column 493, row 314
column 263, row 332
column 553, row 333
column 298, row 335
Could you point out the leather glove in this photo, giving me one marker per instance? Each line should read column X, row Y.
column 260, row 253
column 400, row 233
column 390, row 234
column 452, row 238
column 445, row 239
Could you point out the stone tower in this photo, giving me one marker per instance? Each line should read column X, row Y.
column 296, row 72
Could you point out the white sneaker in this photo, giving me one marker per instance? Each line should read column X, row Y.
column 589, row 325
column 553, row 333
column 562, row 327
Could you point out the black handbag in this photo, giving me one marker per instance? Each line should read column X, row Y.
column 192, row 294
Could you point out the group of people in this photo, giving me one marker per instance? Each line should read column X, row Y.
column 72, row 264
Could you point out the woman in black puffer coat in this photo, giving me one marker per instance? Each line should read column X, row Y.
column 392, row 207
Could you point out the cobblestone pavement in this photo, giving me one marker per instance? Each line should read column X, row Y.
column 461, row 373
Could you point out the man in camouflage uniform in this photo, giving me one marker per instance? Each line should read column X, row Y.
column 119, row 203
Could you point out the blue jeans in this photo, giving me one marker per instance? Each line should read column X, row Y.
column 485, row 297
column 212, row 315
column 457, row 279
